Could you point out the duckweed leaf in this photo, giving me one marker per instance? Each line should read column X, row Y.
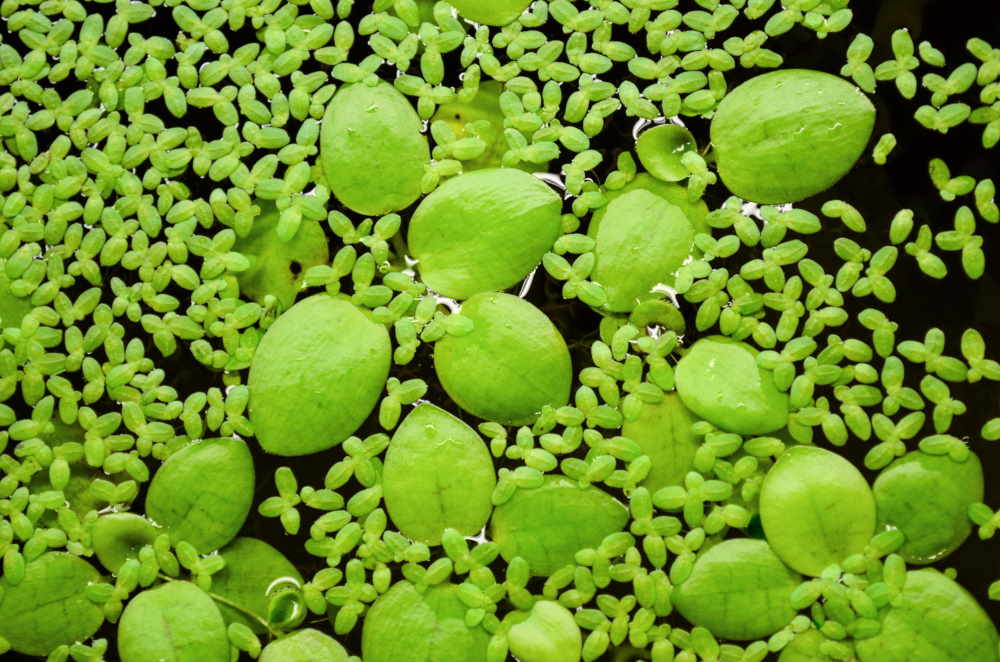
column 371, row 148
column 816, row 509
column 547, row 633
column 512, row 363
column 663, row 432
column 405, row 625
column 48, row 608
column 933, row 619
column 202, row 493
column 927, row 497
column 719, row 380
column 253, row 568
column 738, row 589
column 641, row 243
column 316, row 376
column 306, row 645
column 117, row 537
column 483, row 231
column 786, row 135
column 547, row 525
column 176, row 621
column 438, row 474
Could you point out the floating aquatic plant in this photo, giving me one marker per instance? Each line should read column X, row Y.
column 553, row 331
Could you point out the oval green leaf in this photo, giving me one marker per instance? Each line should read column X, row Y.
column 738, row 589
column 468, row 119
column 933, row 619
column 660, row 149
column 663, row 432
column 252, row 568
column 786, row 135
column 203, row 492
column 816, row 509
column 176, row 621
column 548, row 633
column 306, row 645
column 927, row 497
column 548, row 525
column 277, row 267
column 804, row 648
column 483, row 231
column 494, row 12
column 49, row 608
column 642, row 242
column 407, row 626
column 512, row 363
column 117, row 537
column 719, row 380
column 371, row 148
column 675, row 194
column 316, row 376
column 438, row 474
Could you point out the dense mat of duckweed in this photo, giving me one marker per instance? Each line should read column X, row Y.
column 409, row 331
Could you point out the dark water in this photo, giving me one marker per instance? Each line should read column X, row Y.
column 878, row 192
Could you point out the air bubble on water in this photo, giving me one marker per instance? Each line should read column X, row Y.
column 552, row 179
column 526, row 285
column 283, row 583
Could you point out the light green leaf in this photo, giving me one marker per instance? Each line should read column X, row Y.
column 48, row 607
column 202, row 493
column 176, row 621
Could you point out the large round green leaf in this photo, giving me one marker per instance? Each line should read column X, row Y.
column 176, row 621
column 641, row 242
column 512, row 363
column 490, row 12
column 316, row 376
column 927, row 497
column 738, row 589
column 719, row 380
column 804, row 648
column 789, row 134
column 548, row 525
column 252, row 568
column 933, row 619
column 372, row 150
column 117, row 537
column 277, row 267
column 663, row 431
column 49, row 608
column 468, row 119
column 675, row 194
column 438, row 474
column 405, row 625
column 547, row 633
column 483, row 231
column 816, row 509
column 203, row 492
column 306, row 645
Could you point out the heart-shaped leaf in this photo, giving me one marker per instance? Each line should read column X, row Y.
column 253, row 569
column 548, row 525
column 816, row 509
column 438, row 474
column 176, row 621
column 202, row 493
column 738, row 589
column 48, row 608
